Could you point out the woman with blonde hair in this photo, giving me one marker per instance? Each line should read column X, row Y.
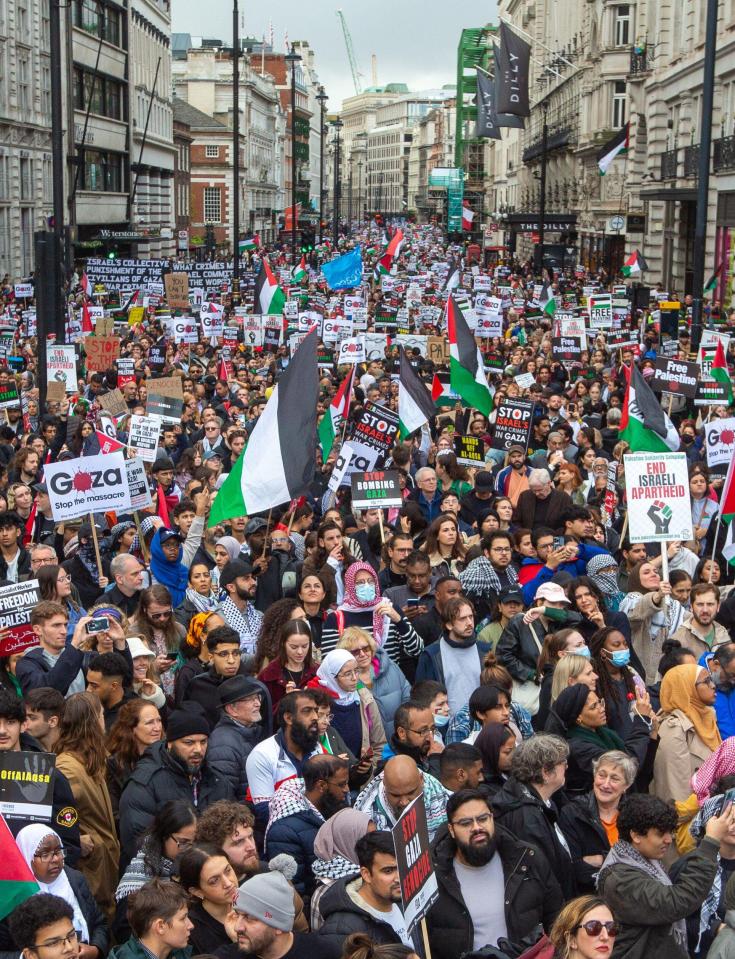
column 584, row 929
column 82, row 757
column 569, row 671
column 378, row 673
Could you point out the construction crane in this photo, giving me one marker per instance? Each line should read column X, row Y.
column 350, row 53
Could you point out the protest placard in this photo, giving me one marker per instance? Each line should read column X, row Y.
column 419, row 887
column 376, row 429
column 719, row 438
column 352, row 458
column 16, row 603
column 61, row 366
column 600, row 311
column 380, row 488
column 675, row 376
column 89, row 484
column 168, row 408
column 167, row 386
column 513, row 424
column 27, row 785
column 143, row 436
column 9, row 397
column 102, row 351
column 352, row 350
column 177, row 290
column 113, row 403
column 469, row 450
column 23, row 291
column 657, row 492
column 437, row 349
column 140, row 494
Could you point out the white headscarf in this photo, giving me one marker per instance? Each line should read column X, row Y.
column 327, row 675
column 28, row 840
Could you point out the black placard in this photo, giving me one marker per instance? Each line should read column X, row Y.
column 513, row 424
column 675, row 376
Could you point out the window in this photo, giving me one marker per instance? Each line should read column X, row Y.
column 212, row 204
column 26, row 240
column 618, row 104
column 102, row 172
column 211, row 151
column 622, row 25
column 45, row 25
column 47, row 179
column 5, row 247
column 26, row 178
column 22, row 21
column 23, row 65
column 102, row 21
column 3, row 77
column 45, row 87
column 105, row 94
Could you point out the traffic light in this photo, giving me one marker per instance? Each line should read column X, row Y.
column 111, row 254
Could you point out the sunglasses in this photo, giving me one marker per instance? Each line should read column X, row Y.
column 594, row 927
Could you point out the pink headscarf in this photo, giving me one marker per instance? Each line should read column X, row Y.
column 720, row 763
column 351, row 604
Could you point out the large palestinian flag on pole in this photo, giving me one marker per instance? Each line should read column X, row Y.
column 645, row 427
column 277, row 465
column 415, row 405
column 336, row 414
column 269, row 297
column 614, row 147
column 385, row 263
column 466, row 369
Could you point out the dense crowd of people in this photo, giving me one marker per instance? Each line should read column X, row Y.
column 240, row 713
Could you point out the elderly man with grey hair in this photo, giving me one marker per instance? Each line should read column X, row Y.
column 427, row 493
column 553, row 455
column 541, row 504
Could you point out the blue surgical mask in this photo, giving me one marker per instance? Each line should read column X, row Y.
column 365, row 592
column 582, row 651
column 620, row 657
column 440, row 719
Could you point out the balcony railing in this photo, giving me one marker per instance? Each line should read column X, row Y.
column 669, row 165
column 724, row 154
column 691, row 160
column 639, row 61
column 556, row 139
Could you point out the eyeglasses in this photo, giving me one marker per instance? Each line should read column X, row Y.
column 484, row 819
column 707, row 681
column 358, row 650
column 500, row 549
column 71, row 938
column 164, row 615
column 429, row 731
column 181, row 843
column 63, row 579
column 349, row 673
column 58, row 852
column 593, row 927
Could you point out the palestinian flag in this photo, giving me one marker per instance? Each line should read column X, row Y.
column 249, row 245
column 547, row 300
column 719, row 371
column 727, row 512
column 385, row 263
column 468, row 215
column 278, row 462
column 17, row 882
column 87, row 326
column 711, row 285
column 466, row 369
column 269, row 297
column 452, row 281
column 441, row 391
column 299, row 272
column 617, row 145
column 86, row 284
column 336, row 414
column 634, row 264
column 645, row 427
column 415, row 406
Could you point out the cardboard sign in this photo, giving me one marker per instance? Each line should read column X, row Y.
column 9, row 396
column 89, row 484
column 513, row 424
column 419, row 887
column 470, row 451
column 143, row 436
column 675, row 376
column 102, row 351
column 55, row 392
column 719, row 436
column 16, row 603
column 27, row 785
column 140, row 494
column 167, row 386
column 177, row 290
column 352, row 350
column 168, row 408
column 377, row 489
column 113, row 403
column 437, row 349
column 104, row 326
column 657, row 490
column 61, row 366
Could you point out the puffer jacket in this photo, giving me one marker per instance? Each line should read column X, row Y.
column 343, row 915
column 229, row 747
column 158, row 777
column 521, row 811
column 586, row 836
column 295, row 835
column 532, row 895
column 390, row 688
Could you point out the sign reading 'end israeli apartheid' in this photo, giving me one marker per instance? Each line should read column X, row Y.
column 657, row 489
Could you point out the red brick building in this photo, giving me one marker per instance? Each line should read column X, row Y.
column 281, row 73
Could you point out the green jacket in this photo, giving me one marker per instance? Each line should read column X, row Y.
column 133, row 949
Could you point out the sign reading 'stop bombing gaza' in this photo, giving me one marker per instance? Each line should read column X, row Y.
column 657, row 488
column 90, row 484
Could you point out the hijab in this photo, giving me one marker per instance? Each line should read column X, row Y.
column 338, row 835
column 174, row 576
column 327, row 675
column 678, row 691
column 230, row 544
column 351, row 604
column 28, row 840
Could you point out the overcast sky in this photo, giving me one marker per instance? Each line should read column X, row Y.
column 415, row 42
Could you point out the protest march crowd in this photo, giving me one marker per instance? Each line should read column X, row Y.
column 381, row 608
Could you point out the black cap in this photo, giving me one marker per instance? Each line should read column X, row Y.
column 510, row 595
column 165, row 535
column 40, row 487
column 233, row 569
column 484, row 480
column 237, row 688
column 162, row 463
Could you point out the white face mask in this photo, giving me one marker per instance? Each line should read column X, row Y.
column 440, row 719
column 365, row 592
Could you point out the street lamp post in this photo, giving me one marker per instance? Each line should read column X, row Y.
column 359, row 191
column 321, row 99
column 293, row 58
column 542, row 192
column 235, row 149
column 337, row 124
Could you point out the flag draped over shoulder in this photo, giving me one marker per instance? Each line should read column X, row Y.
column 269, row 297
column 415, row 405
column 644, row 426
column 336, row 414
column 17, row 882
column 278, row 462
column 466, row 369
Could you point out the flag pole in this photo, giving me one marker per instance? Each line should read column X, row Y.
column 714, row 546
column 96, row 545
column 665, row 572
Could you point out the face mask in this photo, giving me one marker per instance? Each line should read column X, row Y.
column 582, row 651
column 555, row 615
column 365, row 592
column 441, row 720
column 620, row 657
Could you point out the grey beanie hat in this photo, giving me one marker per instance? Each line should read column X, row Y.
column 268, row 897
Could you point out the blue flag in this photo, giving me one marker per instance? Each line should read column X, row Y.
column 345, row 272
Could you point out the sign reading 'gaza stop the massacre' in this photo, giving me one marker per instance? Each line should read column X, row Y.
column 657, row 489
column 89, row 484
